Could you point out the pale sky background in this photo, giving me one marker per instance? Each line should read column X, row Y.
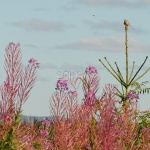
column 68, row 35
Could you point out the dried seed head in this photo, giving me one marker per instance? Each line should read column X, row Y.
column 126, row 23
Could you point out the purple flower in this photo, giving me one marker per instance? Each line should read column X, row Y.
column 91, row 69
column 48, row 144
column 132, row 95
column 87, row 146
column 46, row 122
column 122, row 131
column 44, row 133
column 34, row 62
column 62, row 85
column 146, row 129
column 89, row 98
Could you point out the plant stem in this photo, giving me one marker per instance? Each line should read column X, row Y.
column 109, row 70
column 126, row 47
column 131, row 71
column 120, row 76
column 139, row 70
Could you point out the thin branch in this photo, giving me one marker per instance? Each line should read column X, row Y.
column 111, row 66
column 141, row 75
column 109, row 70
column 131, row 71
column 120, row 77
column 139, row 70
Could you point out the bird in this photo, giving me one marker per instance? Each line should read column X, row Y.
column 126, row 23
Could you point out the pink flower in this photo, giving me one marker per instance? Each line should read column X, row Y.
column 12, row 46
column 87, row 146
column 72, row 93
column 122, row 131
column 44, row 133
column 7, row 84
column 46, row 122
column 89, row 98
column 91, row 69
column 145, row 129
column 48, row 144
column 27, row 138
column 132, row 95
column 62, row 85
column 34, row 62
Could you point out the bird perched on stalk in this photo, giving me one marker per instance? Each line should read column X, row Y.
column 126, row 23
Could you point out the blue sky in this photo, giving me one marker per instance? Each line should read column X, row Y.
column 65, row 36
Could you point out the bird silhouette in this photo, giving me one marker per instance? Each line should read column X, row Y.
column 126, row 23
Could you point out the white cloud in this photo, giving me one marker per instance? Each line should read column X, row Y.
column 145, row 1
column 43, row 78
column 116, row 26
column 30, row 46
column 116, row 3
column 112, row 25
column 68, row 67
column 40, row 9
column 41, row 25
column 69, row 8
column 109, row 44
column 48, row 66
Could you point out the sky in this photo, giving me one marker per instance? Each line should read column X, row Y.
column 66, row 36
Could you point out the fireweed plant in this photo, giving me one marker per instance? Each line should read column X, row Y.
column 94, row 124
column 130, row 87
column 14, row 93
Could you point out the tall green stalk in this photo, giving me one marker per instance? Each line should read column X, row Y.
column 126, row 48
column 131, row 80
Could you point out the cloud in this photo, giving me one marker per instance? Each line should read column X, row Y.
column 115, row 26
column 145, row 1
column 116, row 3
column 112, row 25
column 110, row 44
column 30, row 46
column 47, row 66
column 43, row 79
column 41, row 25
column 41, row 9
column 67, row 67
column 69, row 8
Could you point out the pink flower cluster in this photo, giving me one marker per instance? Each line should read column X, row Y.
column 145, row 129
column 132, row 95
column 44, row 133
column 13, row 46
column 34, row 62
column 62, row 85
column 7, row 85
column 89, row 98
column 46, row 122
column 91, row 70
